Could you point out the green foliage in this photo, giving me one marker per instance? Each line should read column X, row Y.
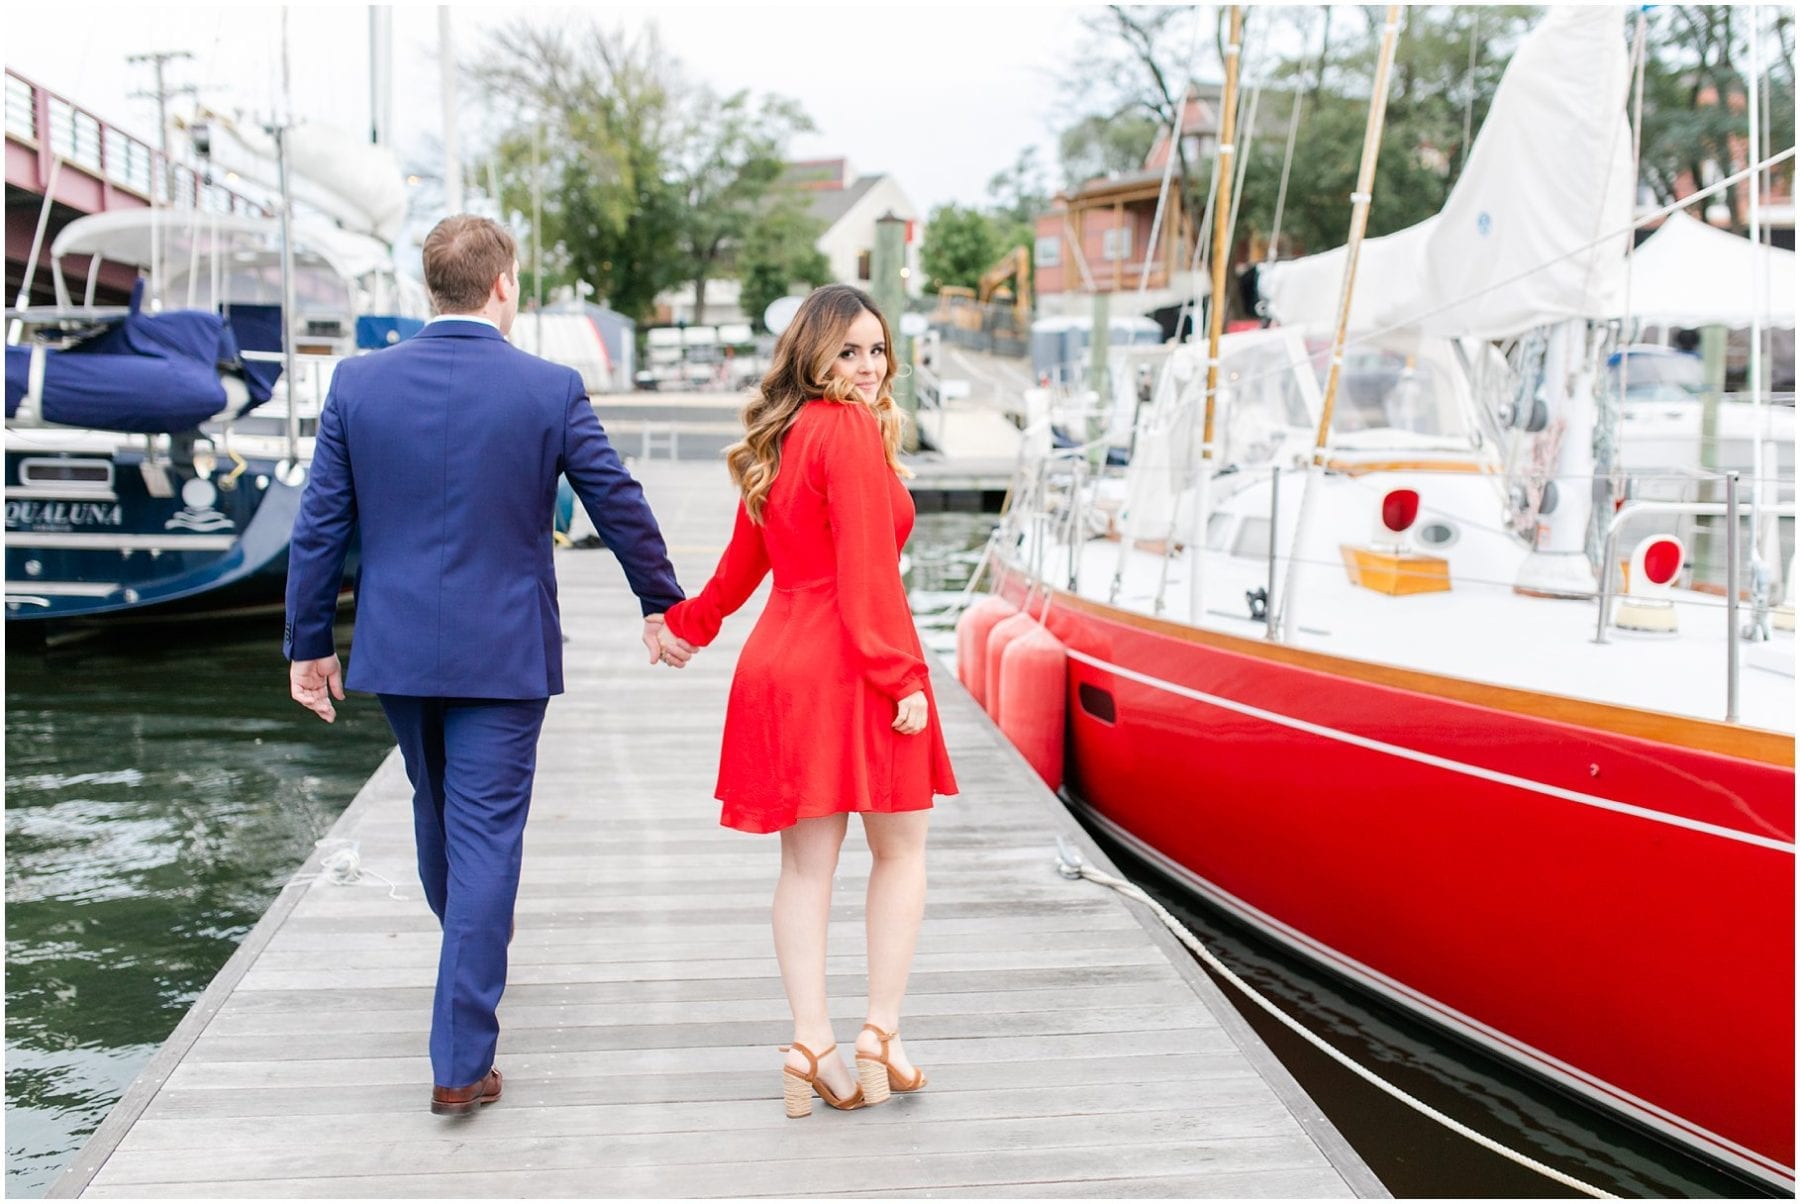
column 646, row 181
column 960, row 244
column 729, row 157
column 1697, row 75
column 1102, row 146
column 780, row 249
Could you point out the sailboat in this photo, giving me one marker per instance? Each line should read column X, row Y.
column 1377, row 702
column 156, row 452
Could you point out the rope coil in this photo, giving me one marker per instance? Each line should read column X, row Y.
column 1069, row 864
column 342, row 866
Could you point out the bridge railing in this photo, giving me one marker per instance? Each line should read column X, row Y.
column 57, row 128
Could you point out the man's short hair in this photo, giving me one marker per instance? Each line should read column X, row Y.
column 464, row 255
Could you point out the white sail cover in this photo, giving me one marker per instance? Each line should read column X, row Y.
column 1549, row 172
column 349, row 179
column 1691, row 274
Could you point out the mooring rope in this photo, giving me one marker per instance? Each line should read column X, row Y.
column 1070, row 865
column 343, row 866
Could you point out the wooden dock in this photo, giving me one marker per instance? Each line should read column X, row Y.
column 1074, row 1048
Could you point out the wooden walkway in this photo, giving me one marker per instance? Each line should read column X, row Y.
column 1074, row 1048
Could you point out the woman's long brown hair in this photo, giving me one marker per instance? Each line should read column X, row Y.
column 801, row 372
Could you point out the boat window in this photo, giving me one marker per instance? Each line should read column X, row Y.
column 1259, row 402
column 1216, row 526
column 1252, row 538
column 1388, row 390
column 67, row 478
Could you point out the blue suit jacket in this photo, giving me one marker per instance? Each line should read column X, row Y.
column 442, row 453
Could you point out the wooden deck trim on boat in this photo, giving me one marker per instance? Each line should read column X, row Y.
column 1702, row 735
column 1358, row 468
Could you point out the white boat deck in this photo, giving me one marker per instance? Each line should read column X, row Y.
column 1477, row 631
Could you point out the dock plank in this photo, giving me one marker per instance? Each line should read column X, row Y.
column 1074, row 1048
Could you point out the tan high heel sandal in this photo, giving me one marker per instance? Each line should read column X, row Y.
column 797, row 1086
column 877, row 1075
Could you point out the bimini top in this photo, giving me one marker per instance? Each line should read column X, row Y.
column 178, row 236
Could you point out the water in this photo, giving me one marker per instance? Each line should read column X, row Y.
column 160, row 787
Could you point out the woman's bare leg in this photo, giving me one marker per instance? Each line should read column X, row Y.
column 801, row 915
column 896, row 906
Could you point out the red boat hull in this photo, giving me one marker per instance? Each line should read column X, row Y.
column 1604, row 896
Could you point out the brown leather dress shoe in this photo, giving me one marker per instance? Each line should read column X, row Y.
column 457, row 1101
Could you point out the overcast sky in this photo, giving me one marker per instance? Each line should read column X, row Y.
column 941, row 96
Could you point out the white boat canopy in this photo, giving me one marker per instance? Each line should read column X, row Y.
column 135, row 236
column 1691, row 274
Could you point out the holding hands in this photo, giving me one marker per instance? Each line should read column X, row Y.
column 664, row 645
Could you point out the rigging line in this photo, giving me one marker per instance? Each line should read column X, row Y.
column 1162, row 195
column 1070, row 865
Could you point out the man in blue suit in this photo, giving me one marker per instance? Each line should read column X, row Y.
column 443, row 454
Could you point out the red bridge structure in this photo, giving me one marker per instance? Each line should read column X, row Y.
column 84, row 164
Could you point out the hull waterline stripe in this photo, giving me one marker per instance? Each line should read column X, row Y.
column 1685, row 1131
column 84, row 541
column 1437, row 762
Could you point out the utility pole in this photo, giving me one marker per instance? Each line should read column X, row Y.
column 162, row 94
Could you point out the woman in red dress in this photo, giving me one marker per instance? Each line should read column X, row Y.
column 831, row 707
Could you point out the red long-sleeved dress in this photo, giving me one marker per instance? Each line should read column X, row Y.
column 809, row 728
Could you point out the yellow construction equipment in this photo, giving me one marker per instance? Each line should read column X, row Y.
column 1016, row 267
column 954, row 301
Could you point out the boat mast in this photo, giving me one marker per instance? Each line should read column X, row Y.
column 1215, row 311
column 453, row 195
column 282, row 123
column 1759, row 565
column 1360, row 201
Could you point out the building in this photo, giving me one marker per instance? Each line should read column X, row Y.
column 848, row 208
column 1097, row 238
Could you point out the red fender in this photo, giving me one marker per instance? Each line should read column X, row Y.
column 1034, row 682
column 972, row 631
column 1004, row 633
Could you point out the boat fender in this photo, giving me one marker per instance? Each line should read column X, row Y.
column 972, row 631
column 1004, row 633
column 1034, row 683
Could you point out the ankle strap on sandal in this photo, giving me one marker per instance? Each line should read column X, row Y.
column 811, row 1057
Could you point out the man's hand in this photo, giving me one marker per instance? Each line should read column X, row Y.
column 910, row 720
column 665, row 645
column 315, row 683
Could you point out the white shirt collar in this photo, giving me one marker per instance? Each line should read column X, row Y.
column 464, row 318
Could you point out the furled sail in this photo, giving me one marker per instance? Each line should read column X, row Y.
column 1549, row 173
column 349, row 179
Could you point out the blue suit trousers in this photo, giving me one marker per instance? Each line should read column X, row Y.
column 471, row 762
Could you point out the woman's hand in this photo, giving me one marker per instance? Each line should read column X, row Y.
column 664, row 645
column 913, row 711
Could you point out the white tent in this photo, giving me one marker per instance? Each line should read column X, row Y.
column 1690, row 274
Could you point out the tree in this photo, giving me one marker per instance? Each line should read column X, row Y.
column 1018, row 198
column 606, row 105
column 730, row 155
column 646, row 181
column 960, row 244
column 780, row 249
column 1097, row 146
column 1697, row 75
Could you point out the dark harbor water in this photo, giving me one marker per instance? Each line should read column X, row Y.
column 160, row 787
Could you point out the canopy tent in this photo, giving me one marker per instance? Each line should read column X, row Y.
column 1549, row 173
column 1691, row 274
